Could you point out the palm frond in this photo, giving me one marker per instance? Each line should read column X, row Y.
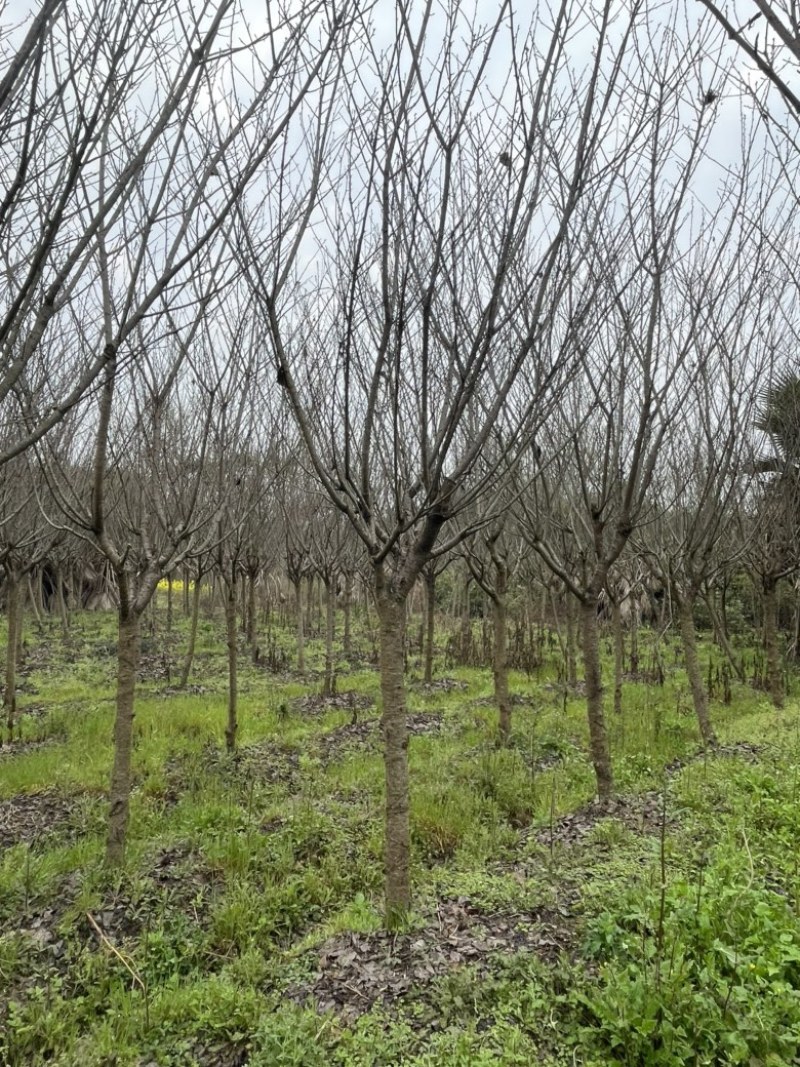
column 779, row 416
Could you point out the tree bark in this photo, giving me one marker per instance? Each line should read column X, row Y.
column 14, row 613
column 230, row 629
column 769, row 588
column 189, row 659
column 120, row 791
column 169, row 603
column 392, row 623
column 430, row 611
column 598, row 740
column 699, row 696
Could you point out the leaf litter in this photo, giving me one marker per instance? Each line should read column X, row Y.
column 356, row 971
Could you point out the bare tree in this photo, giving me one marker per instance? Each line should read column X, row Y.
column 640, row 354
column 295, row 497
column 130, row 131
column 136, row 492
column 451, row 216
column 491, row 558
column 703, row 474
column 328, row 544
column 24, row 544
column 235, row 464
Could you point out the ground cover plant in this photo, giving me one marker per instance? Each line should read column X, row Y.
column 246, row 926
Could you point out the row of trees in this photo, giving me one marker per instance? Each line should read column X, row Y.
column 470, row 280
column 185, row 500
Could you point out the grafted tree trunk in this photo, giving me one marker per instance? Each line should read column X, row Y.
column 430, row 613
column 120, row 792
column 189, row 658
column 392, row 623
column 598, row 739
column 685, row 602
column 14, row 616
column 232, row 727
column 330, row 633
column 769, row 587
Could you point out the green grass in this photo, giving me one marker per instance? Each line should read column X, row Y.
column 683, row 946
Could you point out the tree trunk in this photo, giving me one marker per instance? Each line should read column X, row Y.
column 189, row 659
column 722, row 637
column 61, row 596
column 347, row 608
column 397, row 847
column 598, row 741
column 500, row 657
column 723, row 610
column 430, row 610
column 634, row 636
column 310, row 605
column 250, row 626
column 14, row 613
column 230, row 630
column 330, row 631
column 187, row 581
column 796, row 629
column 36, row 599
column 120, row 791
column 169, row 603
column 298, row 609
column 619, row 656
column 466, row 622
column 770, row 608
column 572, row 659
column 685, row 604
column 20, row 618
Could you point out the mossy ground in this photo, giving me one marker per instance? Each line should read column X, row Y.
column 245, row 926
